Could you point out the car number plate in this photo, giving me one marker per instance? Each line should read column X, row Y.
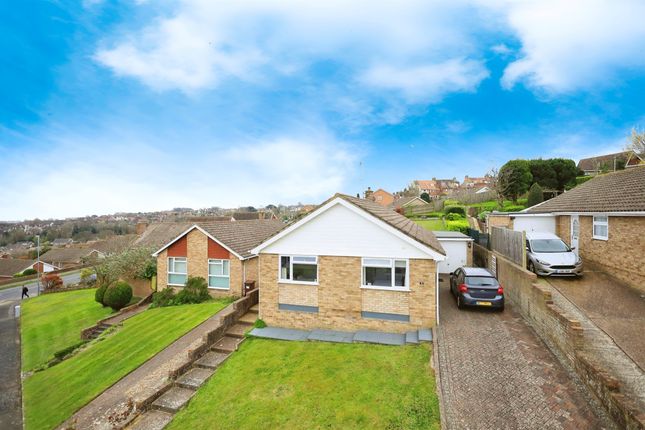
column 563, row 271
column 484, row 303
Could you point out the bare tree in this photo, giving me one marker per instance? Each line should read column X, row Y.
column 637, row 142
column 499, row 184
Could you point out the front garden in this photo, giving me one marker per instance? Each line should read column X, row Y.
column 305, row 385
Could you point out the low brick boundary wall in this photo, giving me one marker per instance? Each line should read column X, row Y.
column 565, row 334
column 87, row 333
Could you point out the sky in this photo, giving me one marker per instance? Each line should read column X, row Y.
column 110, row 106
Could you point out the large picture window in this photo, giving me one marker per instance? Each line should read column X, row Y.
column 219, row 274
column 385, row 272
column 601, row 227
column 299, row 268
column 177, row 271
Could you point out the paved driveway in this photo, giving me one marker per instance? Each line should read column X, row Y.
column 495, row 373
column 615, row 308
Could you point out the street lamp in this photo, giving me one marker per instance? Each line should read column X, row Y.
column 38, row 261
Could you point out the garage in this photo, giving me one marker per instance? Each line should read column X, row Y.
column 458, row 249
column 534, row 223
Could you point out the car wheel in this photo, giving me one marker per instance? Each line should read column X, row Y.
column 532, row 267
column 460, row 302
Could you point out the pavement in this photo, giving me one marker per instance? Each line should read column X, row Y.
column 361, row 336
column 10, row 388
column 14, row 294
column 612, row 305
column 495, row 373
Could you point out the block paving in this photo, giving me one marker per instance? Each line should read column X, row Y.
column 495, row 373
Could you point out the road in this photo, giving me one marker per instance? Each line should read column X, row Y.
column 14, row 294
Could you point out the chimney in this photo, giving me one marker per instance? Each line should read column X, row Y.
column 141, row 227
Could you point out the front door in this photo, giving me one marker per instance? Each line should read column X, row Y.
column 575, row 232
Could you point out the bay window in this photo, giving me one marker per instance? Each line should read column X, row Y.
column 299, row 269
column 218, row 274
column 177, row 271
column 601, row 227
column 385, row 272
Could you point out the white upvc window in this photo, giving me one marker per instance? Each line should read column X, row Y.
column 219, row 274
column 177, row 271
column 386, row 273
column 601, row 227
column 299, row 269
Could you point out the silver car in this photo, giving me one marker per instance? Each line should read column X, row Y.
column 548, row 255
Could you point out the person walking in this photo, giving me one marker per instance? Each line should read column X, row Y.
column 25, row 292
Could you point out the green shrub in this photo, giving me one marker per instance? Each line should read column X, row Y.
column 482, row 216
column 86, row 275
column 455, row 210
column 582, row 179
column 165, row 297
column 17, row 275
column 453, row 217
column 513, row 208
column 535, row 195
column 259, row 324
column 459, row 225
column 118, row 295
column 99, row 294
column 29, row 272
column 195, row 291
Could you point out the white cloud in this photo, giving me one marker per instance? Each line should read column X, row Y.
column 575, row 44
column 141, row 177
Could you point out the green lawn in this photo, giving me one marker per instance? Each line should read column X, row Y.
column 52, row 322
column 431, row 224
column 53, row 395
column 311, row 385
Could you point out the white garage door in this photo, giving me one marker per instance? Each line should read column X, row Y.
column 542, row 224
column 456, row 252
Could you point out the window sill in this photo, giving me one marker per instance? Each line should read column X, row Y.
column 284, row 281
column 600, row 238
column 176, row 285
column 219, row 288
column 397, row 289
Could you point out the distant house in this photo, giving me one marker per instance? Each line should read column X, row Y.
column 470, row 183
column 60, row 243
column 245, row 216
column 434, row 187
column 604, row 220
column 13, row 266
column 409, row 201
column 219, row 252
column 484, row 189
column 351, row 264
column 610, row 162
column 70, row 257
column 382, row 197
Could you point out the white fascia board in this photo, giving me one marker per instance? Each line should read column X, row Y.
column 455, row 239
column 363, row 213
column 156, row 254
column 633, row 213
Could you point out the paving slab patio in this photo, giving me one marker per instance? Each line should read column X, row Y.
column 378, row 337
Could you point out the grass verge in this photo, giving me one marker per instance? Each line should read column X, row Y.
column 53, row 322
column 53, row 395
column 431, row 224
column 305, row 385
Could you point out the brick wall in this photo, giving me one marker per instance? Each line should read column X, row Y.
column 252, row 269
column 340, row 300
column 563, row 228
column 498, row 221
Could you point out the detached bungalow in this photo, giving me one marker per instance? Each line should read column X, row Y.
column 10, row 267
column 70, row 257
column 604, row 219
column 350, row 264
column 218, row 251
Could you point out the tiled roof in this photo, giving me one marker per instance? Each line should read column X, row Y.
column 396, row 220
column 595, row 163
column 242, row 236
column 65, row 255
column 622, row 191
column 402, row 201
column 241, row 216
column 114, row 244
column 11, row 266
column 159, row 234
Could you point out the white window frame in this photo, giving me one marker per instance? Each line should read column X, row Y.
column 172, row 272
column 221, row 262
column 391, row 265
column 291, row 281
column 604, row 223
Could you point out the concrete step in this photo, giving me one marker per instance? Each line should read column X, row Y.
column 248, row 318
column 151, row 420
column 226, row 344
column 425, row 335
column 194, row 378
column 105, row 326
column 211, row 360
column 173, row 400
column 238, row 330
column 412, row 337
column 255, row 308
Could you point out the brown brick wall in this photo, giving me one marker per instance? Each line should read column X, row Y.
column 252, row 269
column 340, row 299
column 563, row 228
column 621, row 255
column 197, row 257
column 499, row 221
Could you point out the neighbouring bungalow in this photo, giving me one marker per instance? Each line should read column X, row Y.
column 603, row 219
column 382, row 197
column 218, row 251
column 407, row 201
column 610, row 162
column 70, row 257
column 9, row 267
column 60, row 243
column 350, row 264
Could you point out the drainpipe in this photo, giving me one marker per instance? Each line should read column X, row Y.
column 437, row 292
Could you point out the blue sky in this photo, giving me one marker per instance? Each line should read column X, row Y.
column 149, row 105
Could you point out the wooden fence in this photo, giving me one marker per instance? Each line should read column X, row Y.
column 509, row 243
column 433, row 206
column 469, row 197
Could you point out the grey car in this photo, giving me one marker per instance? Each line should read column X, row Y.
column 474, row 286
column 548, row 255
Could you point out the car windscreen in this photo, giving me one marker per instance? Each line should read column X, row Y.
column 481, row 281
column 549, row 245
